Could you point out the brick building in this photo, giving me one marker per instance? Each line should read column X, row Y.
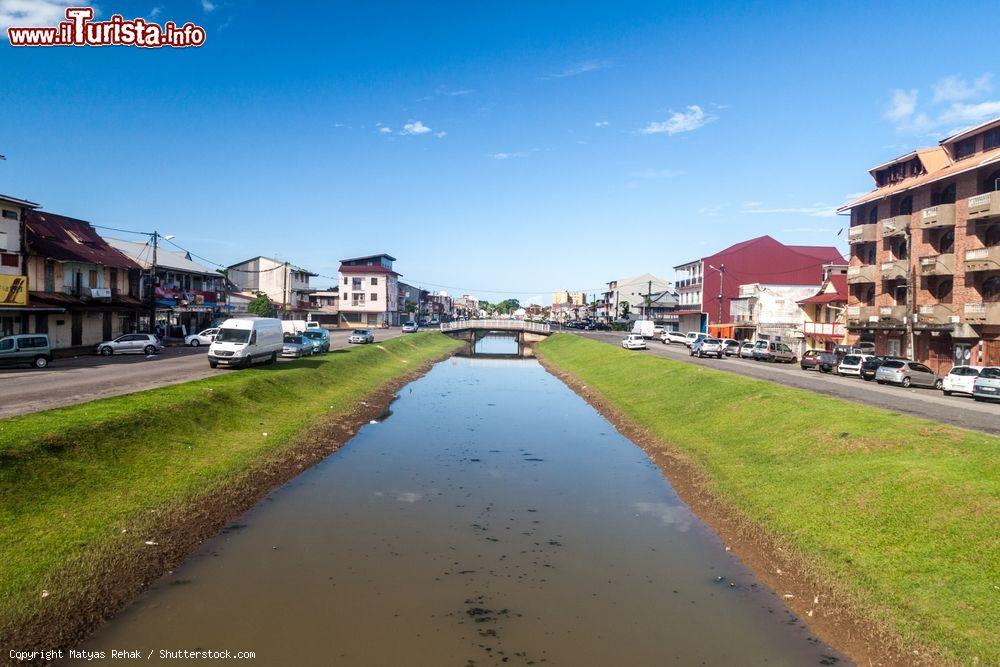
column 924, row 275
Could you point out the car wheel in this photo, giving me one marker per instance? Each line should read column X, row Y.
column 194, row 342
column 106, row 351
column 792, row 360
column 149, row 349
column 907, row 382
column 213, row 364
column 939, row 384
column 977, row 399
column 41, row 362
column 880, row 381
column 273, row 359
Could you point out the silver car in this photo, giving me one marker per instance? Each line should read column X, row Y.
column 130, row 344
column 711, row 347
column 296, row 346
column 907, row 374
column 746, row 350
column 361, row 336
column 987, row 385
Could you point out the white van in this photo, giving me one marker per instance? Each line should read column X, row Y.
column 293, row 326
column 644, row 328
column 243, row 340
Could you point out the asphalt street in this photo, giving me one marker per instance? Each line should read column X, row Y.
column 927, row 403
column 86, row 378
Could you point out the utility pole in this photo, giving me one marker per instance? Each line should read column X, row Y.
column 284, row 290
column 911, row 297
column 152, row 287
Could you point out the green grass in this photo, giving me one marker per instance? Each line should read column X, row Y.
column 900, row 514
column 72, row 478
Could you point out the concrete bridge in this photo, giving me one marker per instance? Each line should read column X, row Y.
column 528, row 332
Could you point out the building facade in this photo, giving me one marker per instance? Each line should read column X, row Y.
column 825, row 313
column 369, row 291
column 86, row 290
column 15, row 312
column 324, row 307
column 924, row 275
column 769, row 312
column 634, row 291
column 283, row 282
column 707, row 286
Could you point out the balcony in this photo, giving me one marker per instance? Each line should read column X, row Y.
column 983, row 259
column 860, row 273
column 936, row 217
column 862, row 234
column 860, row 315
column 935, row 313
column 982, row 313
column 895, row 226
column 892, row 313
column 824, row 329
column 984, row 207
column 938, row 265
column 893, row 270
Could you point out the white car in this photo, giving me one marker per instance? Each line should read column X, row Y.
column 675, row 337
column 130, row 344
column 634, row 342
column 362, row 336
column 203, row 338
column 851, row 364
column 961, row 380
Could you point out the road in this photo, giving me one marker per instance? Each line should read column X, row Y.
column 926, row 403
column 86, row 378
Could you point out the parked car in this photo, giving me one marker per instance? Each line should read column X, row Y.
column 130, row 344
column 674, row 337
column 851, row 364
column 634, row 342
column 961, row 380
column 243, row 340
column 313, row 325
column 410, row 327
column 320, row 338
column 422, row 322
column 295, row 346
column 987, row 385
column 810, row 359
column 362, row 336
column 830, row 361
column 711, row 347
column 871, row 365
column 644, row 328
column 731, row 347
column 773, row 351
column 693, row 341
column 746, row 349
column 33, row 349
column 203, row 338
column 907, row 373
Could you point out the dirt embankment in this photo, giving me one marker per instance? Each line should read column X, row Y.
column 825, row 612
column 125, row 570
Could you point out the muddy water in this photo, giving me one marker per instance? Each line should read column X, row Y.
column 493, row 518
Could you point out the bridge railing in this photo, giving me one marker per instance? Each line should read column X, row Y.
column 497, row 325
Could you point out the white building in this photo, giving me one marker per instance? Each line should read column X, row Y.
column 771, row 312
column 369, row 291
column 283, row 282
column 14, row 309
column 634, row 291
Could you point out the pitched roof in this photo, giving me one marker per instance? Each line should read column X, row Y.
column 142, row 254
column 271, row 259
column 20, row 202
column 375, row 256
column 70, row 240
column 832, row 291
column 350, row 268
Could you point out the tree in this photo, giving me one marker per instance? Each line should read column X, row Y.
column 261, row 306
column 410, row 306
column 623, row 309
column 507, row 306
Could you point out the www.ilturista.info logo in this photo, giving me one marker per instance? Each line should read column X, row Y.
column 79, row 29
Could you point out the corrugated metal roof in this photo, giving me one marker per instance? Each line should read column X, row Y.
column 142, row 254
column 70, row 240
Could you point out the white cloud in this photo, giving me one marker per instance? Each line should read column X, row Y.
column 902, row 106
column 710, row 211
column 35, row 12
column 678, row 516
column 579, row 68
column 511, row 154
column 415, row 127
column 688, row 120
column 385, row 130
column 440, row 135
column 208, row 5
column 812, row 211
column 969, row 114
column 155, row 11
column 954, row 89
column 601, row 123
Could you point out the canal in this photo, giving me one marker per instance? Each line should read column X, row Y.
column 492, row 517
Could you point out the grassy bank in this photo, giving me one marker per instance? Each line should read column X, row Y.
column 898, row 514
column 84, row 485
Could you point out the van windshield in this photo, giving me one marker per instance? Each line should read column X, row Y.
column 233, row 336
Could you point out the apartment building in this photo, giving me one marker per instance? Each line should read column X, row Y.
column 634, row 290
column 706, row 286
column 324, row 307
column 15, row 312
column 924, row 275
column 567, row 297
column 825, row 312
column 284, row 283
column 369, row 291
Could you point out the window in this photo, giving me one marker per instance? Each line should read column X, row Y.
column 6, row 344
column 8, row 259
column 92, row 278
column 356, row 283
column 990, row 140
column 374, row 296
column 374, row 281
column 10, row 215
column 873, row 215
column 965, row 148
column 945, row 196
column 345, row 280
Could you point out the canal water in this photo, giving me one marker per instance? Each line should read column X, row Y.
column 493, row 517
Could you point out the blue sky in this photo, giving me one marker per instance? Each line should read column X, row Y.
column 512, row 147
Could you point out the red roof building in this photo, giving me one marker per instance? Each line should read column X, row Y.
column 708, row 285
column 826, row 313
